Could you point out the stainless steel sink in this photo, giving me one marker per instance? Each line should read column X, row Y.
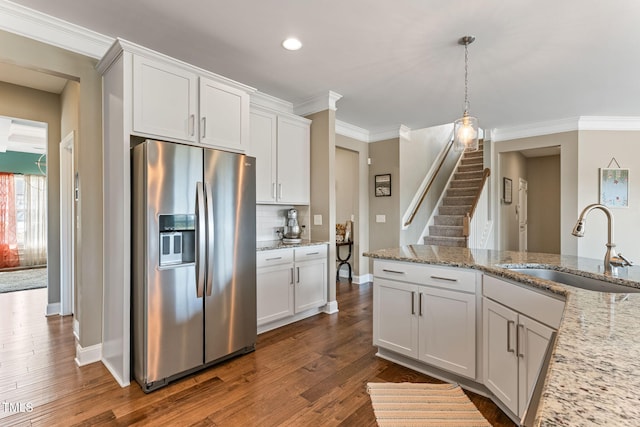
column 576, row 281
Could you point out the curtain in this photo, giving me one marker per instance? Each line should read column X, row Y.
column 35, row 221
column 8, row 236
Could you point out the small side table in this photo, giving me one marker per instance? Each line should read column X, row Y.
column 343, row 261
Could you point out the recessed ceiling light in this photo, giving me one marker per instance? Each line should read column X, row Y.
column 292, row 44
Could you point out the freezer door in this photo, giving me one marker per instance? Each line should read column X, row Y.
column 230, row 291
column 167, row 312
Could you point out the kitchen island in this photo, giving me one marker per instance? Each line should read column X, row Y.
column 593, row 376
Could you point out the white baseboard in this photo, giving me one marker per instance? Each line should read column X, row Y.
column 87, row 355
column 114, row 373
column 356, row 279
column 331, row 307
column 53, row 309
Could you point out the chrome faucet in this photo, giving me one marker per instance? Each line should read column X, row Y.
column 610, row 257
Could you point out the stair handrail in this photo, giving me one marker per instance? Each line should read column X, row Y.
column 416, row 207
column 466, row 221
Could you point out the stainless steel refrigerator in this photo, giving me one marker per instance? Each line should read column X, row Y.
column 194, row 259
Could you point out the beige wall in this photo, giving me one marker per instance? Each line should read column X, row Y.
column 361, row 220
column 385, row 159
column 596, row 149
column 568, row 142
column 39, row 56
column 544, row 204
column 323, row 197
column 26, row 103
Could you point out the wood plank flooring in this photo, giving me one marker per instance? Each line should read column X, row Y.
column 311, row 373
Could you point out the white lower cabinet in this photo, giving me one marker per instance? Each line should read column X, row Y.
column 290, row 283
column 515, row 344
column 433, row 321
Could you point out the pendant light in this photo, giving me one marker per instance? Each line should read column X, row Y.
column 465, row 129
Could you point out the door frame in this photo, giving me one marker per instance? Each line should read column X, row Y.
column 523, row 188
column 67, row 228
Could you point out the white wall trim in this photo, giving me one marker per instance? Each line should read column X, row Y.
column 321, row 102
column 53, row 309
column 384, row 134
column 36, row 25
column 358, row 280
column 606, row 123
column 331, row 307
column 87, row 355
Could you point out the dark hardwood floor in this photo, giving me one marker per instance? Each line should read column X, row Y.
column 311, row 373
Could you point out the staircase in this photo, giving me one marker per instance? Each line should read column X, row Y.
column 467, row 182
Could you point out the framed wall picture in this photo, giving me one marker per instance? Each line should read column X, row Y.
column 383, row 185
column 614, row 187
column 507, row 190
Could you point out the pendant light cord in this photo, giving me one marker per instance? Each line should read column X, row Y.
column 466, row 79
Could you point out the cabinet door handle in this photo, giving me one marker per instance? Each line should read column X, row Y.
column 393, row 271
column 420, row 304
column 313, row 253
column 413, row 302
column 444, row 278
column 519, row 340
column 204, row 127
column 291, row 275
column 273, row 259
column 273, row 190
column 192, row 124
column 298, row 270
column 509, row 323
column 280, row 190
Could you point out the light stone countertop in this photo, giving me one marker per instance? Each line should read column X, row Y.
column 594, row 373
column 270, row 245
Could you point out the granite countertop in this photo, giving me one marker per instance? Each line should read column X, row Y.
column 594, row 373
column 277, row 244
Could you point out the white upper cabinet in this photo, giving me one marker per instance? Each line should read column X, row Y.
column 281, row 144
column 293, row 161
column 164, row 99
column 224, row 116
column 175, row 101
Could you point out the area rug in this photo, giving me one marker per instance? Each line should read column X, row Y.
column 20, row 280
column 421, row 404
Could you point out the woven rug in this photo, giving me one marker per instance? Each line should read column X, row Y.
column 421, row 404
column 20, row 280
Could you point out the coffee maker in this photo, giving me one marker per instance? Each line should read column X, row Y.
column 292, row 230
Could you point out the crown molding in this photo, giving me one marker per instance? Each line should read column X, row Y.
column 36, row 25
column 322, row 102
column 261, row 99
column 611, row 123
column 389, row 133
column 352, row 131
column 582, row 123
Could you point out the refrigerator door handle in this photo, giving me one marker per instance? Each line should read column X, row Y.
column 201, row 247
column 210, row 240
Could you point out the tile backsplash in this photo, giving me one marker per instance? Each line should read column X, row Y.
column 271, row 217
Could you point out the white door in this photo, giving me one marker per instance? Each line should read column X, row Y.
column 500, row 359
column 533, row 340
column 66, row 225
column 522, row 215
column 274, row 292
column 395, row 319
column 447, row 328
column 224, row 116
column 310, row 287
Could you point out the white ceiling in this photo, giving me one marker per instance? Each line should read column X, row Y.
column 398, row 62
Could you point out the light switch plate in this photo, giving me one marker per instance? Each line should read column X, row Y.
column 317, row 219
column 381, row 218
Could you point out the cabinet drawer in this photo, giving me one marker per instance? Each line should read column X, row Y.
column 543, row 308
column 274, row 257
column 310, row 252
column 424, row 274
